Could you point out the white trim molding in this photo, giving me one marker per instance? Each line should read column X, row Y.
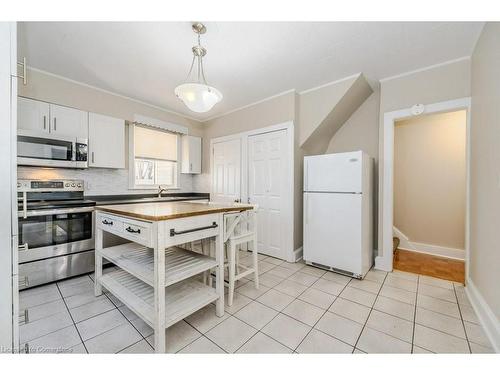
column 248, row 105
column 386, row 176
column 419, row 247
column 330, row 83
column 486, row 315
column 434, row 66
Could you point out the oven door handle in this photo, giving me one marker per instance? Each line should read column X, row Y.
column 61, row 211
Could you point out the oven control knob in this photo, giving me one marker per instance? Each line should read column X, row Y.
column 73, row 184
column 79, row 185
column 67, row 184
column 18, row 184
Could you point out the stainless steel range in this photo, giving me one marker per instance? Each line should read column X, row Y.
column 56, row 231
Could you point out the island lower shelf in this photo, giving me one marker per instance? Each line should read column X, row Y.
column 181, row 299
column 138, row 260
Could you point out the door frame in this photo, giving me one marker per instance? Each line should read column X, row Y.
column 384, row 261
column 289, row 199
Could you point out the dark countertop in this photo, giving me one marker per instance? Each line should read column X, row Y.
column 143, row 198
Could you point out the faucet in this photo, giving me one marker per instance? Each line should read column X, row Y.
column 160, row 190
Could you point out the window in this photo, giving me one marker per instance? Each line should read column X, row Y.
column 155, row 158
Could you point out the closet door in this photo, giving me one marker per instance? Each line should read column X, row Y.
column 226, row 171
column 268, row 160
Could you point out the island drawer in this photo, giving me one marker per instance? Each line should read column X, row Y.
column 192, row 228
column 133, row 230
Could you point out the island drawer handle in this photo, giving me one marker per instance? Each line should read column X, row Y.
column 130, row 230
column 173, row 232
column 105, row 222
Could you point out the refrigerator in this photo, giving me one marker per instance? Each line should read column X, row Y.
column 338, row 212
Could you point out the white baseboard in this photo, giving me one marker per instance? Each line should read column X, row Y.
column 442, row 251
column 487, row 317
column 445, row 252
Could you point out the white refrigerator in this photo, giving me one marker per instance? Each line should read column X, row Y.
column 338, row 212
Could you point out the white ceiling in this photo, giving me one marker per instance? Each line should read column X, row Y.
column 246, row 61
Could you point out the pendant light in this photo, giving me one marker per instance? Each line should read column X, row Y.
column 196, row 94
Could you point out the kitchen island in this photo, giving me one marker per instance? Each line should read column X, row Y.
column 156, row 279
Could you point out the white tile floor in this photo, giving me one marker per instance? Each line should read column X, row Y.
column 297, row 309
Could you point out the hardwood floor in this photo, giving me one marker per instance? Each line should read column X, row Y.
column 430, row 265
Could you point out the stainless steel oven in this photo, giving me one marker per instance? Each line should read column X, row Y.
column 39, row 149
column 56, row 231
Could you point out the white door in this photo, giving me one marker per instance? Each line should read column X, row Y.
column 226, row 171
column 32, row 115
column 333, row 172
column 69, row 122
column 332, row 230
column 268, row 160
column 106, row 141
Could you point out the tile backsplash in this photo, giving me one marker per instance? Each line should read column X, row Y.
column 102, row 181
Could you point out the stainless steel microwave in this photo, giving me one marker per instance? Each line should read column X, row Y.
column 42, row 150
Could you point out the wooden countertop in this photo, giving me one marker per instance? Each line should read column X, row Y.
column 157, row 211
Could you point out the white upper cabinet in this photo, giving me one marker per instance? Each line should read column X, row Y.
column 191, row 154
column 67, row 121
column 33, row 115
column 106, row 141
column 43, row 117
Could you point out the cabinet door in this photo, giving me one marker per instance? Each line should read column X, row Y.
column 69, row 122
column 32, row 115
column 195, row 154
column 106, row 141
column 191, row 154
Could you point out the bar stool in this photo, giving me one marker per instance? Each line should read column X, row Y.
column 240, row 229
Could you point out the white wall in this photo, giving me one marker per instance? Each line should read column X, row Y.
column 485, row 170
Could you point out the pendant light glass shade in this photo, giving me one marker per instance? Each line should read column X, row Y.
column 196, row 94
column 198, row 97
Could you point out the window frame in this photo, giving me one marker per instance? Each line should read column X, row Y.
column 131, row 161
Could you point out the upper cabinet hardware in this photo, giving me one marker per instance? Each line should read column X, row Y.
column 173, row 232
column 130, row 230
column 24, row 76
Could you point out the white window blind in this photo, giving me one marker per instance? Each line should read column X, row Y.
column 155, row 144
column 155, row 157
